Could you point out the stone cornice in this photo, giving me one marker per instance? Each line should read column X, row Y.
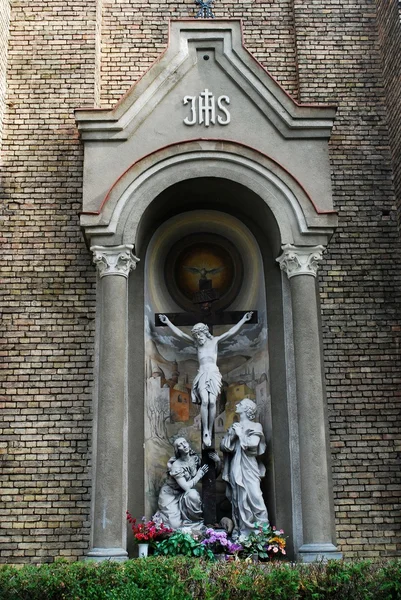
column 300, row 260
column 114, row 260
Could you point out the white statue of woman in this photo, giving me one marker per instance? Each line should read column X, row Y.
column 242, row 444
column 179, row 503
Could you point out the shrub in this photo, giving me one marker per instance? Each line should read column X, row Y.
column 187, row 578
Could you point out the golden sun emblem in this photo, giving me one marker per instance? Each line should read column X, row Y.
column 202, row 262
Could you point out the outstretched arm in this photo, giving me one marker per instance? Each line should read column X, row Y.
column 224, row 336
column 180, row 334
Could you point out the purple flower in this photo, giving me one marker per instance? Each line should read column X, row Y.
column 219, row 542
column 233, row 547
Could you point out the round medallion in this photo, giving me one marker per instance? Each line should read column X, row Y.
column 203, row 269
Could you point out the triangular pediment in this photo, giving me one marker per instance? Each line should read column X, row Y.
column 209, row 58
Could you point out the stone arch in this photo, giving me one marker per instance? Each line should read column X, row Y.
column 128, row 202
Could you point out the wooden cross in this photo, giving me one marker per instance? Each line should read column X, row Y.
column 188, row 319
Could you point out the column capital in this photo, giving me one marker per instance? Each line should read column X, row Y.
column 114, row 260
column 300, row 260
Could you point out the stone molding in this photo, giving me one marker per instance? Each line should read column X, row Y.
column 296, row 260
column 114, row 260
column 309, row 553
column 101, row 554
column 263, row 118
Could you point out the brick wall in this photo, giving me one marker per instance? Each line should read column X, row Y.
column 48, row 303
column 339, row 61
column 134, row 34
column 389, row 33
column 47, row 296
column 4, row 25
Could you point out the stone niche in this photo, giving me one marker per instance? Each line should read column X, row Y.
column 206, row 148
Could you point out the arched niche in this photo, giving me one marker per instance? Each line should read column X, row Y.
column 220, row 207
column 251, row 188
column 171, row 366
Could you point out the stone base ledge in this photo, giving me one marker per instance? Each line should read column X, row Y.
column 318, row 552
column 100, row 554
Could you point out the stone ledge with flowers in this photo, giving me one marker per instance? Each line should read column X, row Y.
column 264, row 543
column 147, row 533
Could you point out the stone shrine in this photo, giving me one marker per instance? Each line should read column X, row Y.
column 209, row 169
column 237, row 164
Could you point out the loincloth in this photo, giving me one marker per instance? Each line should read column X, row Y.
column 209, row 380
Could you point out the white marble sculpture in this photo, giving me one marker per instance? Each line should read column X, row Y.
column 207, row 383
column 179, row 503
column 243, row 443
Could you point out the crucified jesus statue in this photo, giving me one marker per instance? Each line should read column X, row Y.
column 207, row 383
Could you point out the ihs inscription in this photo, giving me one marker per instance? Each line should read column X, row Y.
column 207, row 110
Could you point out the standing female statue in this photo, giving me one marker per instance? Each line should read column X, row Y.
column 242, row 444
column 179, row 503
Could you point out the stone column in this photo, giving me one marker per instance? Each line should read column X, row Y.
column 300, row 265
column 109, row 481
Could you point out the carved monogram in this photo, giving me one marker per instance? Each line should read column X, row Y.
column 206, row 109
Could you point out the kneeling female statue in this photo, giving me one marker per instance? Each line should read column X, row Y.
column 179, row 503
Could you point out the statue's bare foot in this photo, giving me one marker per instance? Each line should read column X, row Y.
column 207, row 442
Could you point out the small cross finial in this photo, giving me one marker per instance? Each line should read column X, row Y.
column 205, row 9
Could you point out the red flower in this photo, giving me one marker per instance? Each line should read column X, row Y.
column 147, row 531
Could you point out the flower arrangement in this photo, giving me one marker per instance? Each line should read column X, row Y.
column 148, row 531
column 276, row 544
column 218, row 542
column 266, row 541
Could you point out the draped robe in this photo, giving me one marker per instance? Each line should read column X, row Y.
column 208, row 378
column 177, row 507
column 243, row 472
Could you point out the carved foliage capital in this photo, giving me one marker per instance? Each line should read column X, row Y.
column 114, row 260
column 298, row 260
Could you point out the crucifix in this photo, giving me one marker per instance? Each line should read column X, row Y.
column 205, row 9
column 207, row 384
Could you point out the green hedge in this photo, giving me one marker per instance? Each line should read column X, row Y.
column 188, row 579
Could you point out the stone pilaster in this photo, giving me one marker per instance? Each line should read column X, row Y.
column 300, row 265
column 110, row 415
